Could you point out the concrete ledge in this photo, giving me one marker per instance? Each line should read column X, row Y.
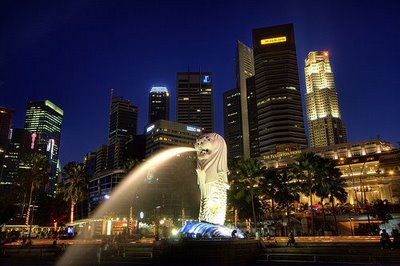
column 195, row 251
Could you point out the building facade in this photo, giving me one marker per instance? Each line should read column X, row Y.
column 325, row 125
column 158, row 104
column 244, row 70
column 195, row 100
column 277, row 90
column 371, row 168
column 233, row 124
column 6, row 116
column 43, row 121
column 171, row 186
column 122, row 127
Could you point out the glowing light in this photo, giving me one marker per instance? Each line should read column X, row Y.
column 174, row 232
column 326, row 53
column 109, row 227
column 159, row 89
column 150, row 128
column 193, row 229
column 273, row 40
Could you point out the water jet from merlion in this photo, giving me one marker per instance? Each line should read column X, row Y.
column 212, row 181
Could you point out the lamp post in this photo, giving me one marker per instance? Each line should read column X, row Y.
column 157, row 223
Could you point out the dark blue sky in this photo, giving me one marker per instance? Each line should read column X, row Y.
column 73, row 52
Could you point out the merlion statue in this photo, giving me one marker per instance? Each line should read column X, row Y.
column 212, row 171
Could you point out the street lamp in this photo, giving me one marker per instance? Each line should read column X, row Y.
column 157, row 223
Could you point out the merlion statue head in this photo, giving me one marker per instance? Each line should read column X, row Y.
column 211, row 153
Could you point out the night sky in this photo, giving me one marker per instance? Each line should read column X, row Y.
column 74, row 52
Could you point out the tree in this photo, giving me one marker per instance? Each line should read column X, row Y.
column 245, row 179
column 32, row 176
column 284, row 189
column 308, row 169
column 129, row 164
column 381, row 210
column 330, row 184
column 73, row 185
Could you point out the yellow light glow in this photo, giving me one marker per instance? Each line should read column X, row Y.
column 174, row 232
column 273, row 40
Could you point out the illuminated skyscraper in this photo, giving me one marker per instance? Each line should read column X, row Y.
column 43, row 120
column 277, row 90
column 325, row 125
column 244, row 70
column 5, row 126
column 233, row 124
column 158, row 104
column 195, row 100
column 122, row 127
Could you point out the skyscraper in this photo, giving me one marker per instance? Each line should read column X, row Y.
column 122, row 127
column 244, row 70
column 43, row 120
column 6, row 115
column 158, row 104
column 233, row 124
column 277, row 90
column 325, row 125
column 195, row 100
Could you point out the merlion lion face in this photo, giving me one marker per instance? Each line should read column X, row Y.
column 205, row 146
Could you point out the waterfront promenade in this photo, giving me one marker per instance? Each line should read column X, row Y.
column 308, row 250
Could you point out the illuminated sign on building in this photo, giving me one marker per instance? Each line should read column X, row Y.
column 150, row 128
column 273, row 40
column 33, row 136
column 206, row 79
column 281, row 155
column 50, row 147
column 193, row 129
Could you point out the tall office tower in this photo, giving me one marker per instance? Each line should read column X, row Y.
column 233, row 124
column 252, row 117
column 43, row 120
column 244, row 70
column 101, row 159
column 195, row 100
column 5, row 127
column 277, row 90
column 158, row 104
column 6, row 115
column 164, row 185
column 165, row 134
column 122, row 127
column 323, row 115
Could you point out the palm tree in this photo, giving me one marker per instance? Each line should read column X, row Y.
column 245, row 180
column 33, row 176
column 129, row 164
column 307, row 169
column 330, row 184
column 284, row 189
column 73, row 186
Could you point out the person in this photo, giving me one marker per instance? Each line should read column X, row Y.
column 234, row 232
column 291, row 240
column 396, row 238
column 385, row 240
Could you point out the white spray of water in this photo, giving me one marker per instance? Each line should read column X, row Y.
column 124, row 188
